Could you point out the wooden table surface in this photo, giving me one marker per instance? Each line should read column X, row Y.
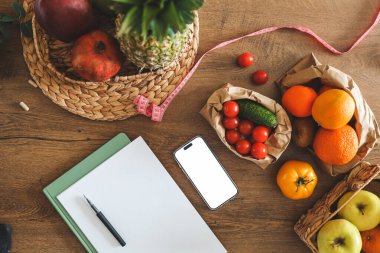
column 38, row 146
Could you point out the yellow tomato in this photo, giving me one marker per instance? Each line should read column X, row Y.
column 297, row 180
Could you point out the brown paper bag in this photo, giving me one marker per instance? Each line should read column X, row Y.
column 366, row 126
column 276, row 143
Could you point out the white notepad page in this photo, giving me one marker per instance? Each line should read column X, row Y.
column 144, row 204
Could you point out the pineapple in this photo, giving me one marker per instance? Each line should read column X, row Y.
column 154, row 33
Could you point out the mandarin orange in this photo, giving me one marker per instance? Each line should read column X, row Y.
column 336, row 146
column 333, row 109
column 298, row 100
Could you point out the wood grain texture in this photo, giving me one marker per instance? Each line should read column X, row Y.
column 38, row 146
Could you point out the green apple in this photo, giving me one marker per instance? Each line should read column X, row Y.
column 363, row 210
column 339, row 236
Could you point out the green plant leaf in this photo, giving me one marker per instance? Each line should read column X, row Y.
column 6, row 19
column 186, row 17
column 189, row 5
column 18, row 9
column 133, row 2
column 26, row 29
column 159, row 29
column 171, row 16
column 149, row 13
column 4, row 32
column 128, row 21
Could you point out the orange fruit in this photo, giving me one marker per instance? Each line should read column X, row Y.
column 333, row 109
column 298, row 100
column 336, row 146
column 371, row 240
column 324, row 88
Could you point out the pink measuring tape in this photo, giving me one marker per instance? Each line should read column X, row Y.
column 156, row 112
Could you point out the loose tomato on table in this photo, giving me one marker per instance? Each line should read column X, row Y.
column 232, row 136
column 260, row 134
column 259, row 150
column 230, row 123
column 297, row 180
column 245, row 60
column 230, row 109
column 243, row 147
column 245, row 127
column 260, row 77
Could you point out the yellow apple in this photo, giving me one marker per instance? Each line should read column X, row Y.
column 339, row 236
column 363, row 210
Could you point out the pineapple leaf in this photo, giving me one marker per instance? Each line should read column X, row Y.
column 26, row 29
column 159, row 29
column 161, row 3
column 133, row 2
column 172, row 18
column 149, row 13
column 128, row 21
column 188, row 5
column 4, row 31
column 18, row 9
column 6, row 19
column 186, row 17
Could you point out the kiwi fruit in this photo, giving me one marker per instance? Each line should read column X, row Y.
column 303, row 131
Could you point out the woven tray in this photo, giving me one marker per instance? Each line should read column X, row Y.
column 48, row 61
column 325, row 209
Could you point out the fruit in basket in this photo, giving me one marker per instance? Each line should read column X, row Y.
column 260, row 77
column 243, row 147
column 65, row 20
column 340, row 236
column 337, row 146
column 153, row 34
column 333, row 109
column 259, row 150
column 296, row 179
column 363, row 210
column 230, row 109
column 96, row 56
column 245, row 60
column 303, row 131
column 246, row 127
column 256, row 113
column 230, row 123
column 298, row 100
column 371, row 240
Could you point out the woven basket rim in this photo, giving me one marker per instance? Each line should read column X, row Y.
column 112, row 80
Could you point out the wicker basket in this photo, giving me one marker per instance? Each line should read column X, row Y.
column 48, row 61
column 325, row 209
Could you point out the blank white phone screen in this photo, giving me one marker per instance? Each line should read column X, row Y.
column 206, row 173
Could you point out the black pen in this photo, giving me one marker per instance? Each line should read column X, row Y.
column 106, row 223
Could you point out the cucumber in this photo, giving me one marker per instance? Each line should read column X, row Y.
column 256, row 113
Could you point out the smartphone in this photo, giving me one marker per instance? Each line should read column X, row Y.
column 206, row 173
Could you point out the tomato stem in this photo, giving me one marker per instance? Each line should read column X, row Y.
column 302, row 181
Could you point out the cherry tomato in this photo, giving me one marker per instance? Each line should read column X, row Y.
column 259, row 150
column 230, row 109
column 245, row 60
column 230, row 123
column 245, row 127
column 260, row 134
column 243, row 147
column 232, row 136
column 260, row 77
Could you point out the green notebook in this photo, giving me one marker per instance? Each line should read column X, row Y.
column 76, row 173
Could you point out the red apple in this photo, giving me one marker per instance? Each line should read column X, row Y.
column 65, row 19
